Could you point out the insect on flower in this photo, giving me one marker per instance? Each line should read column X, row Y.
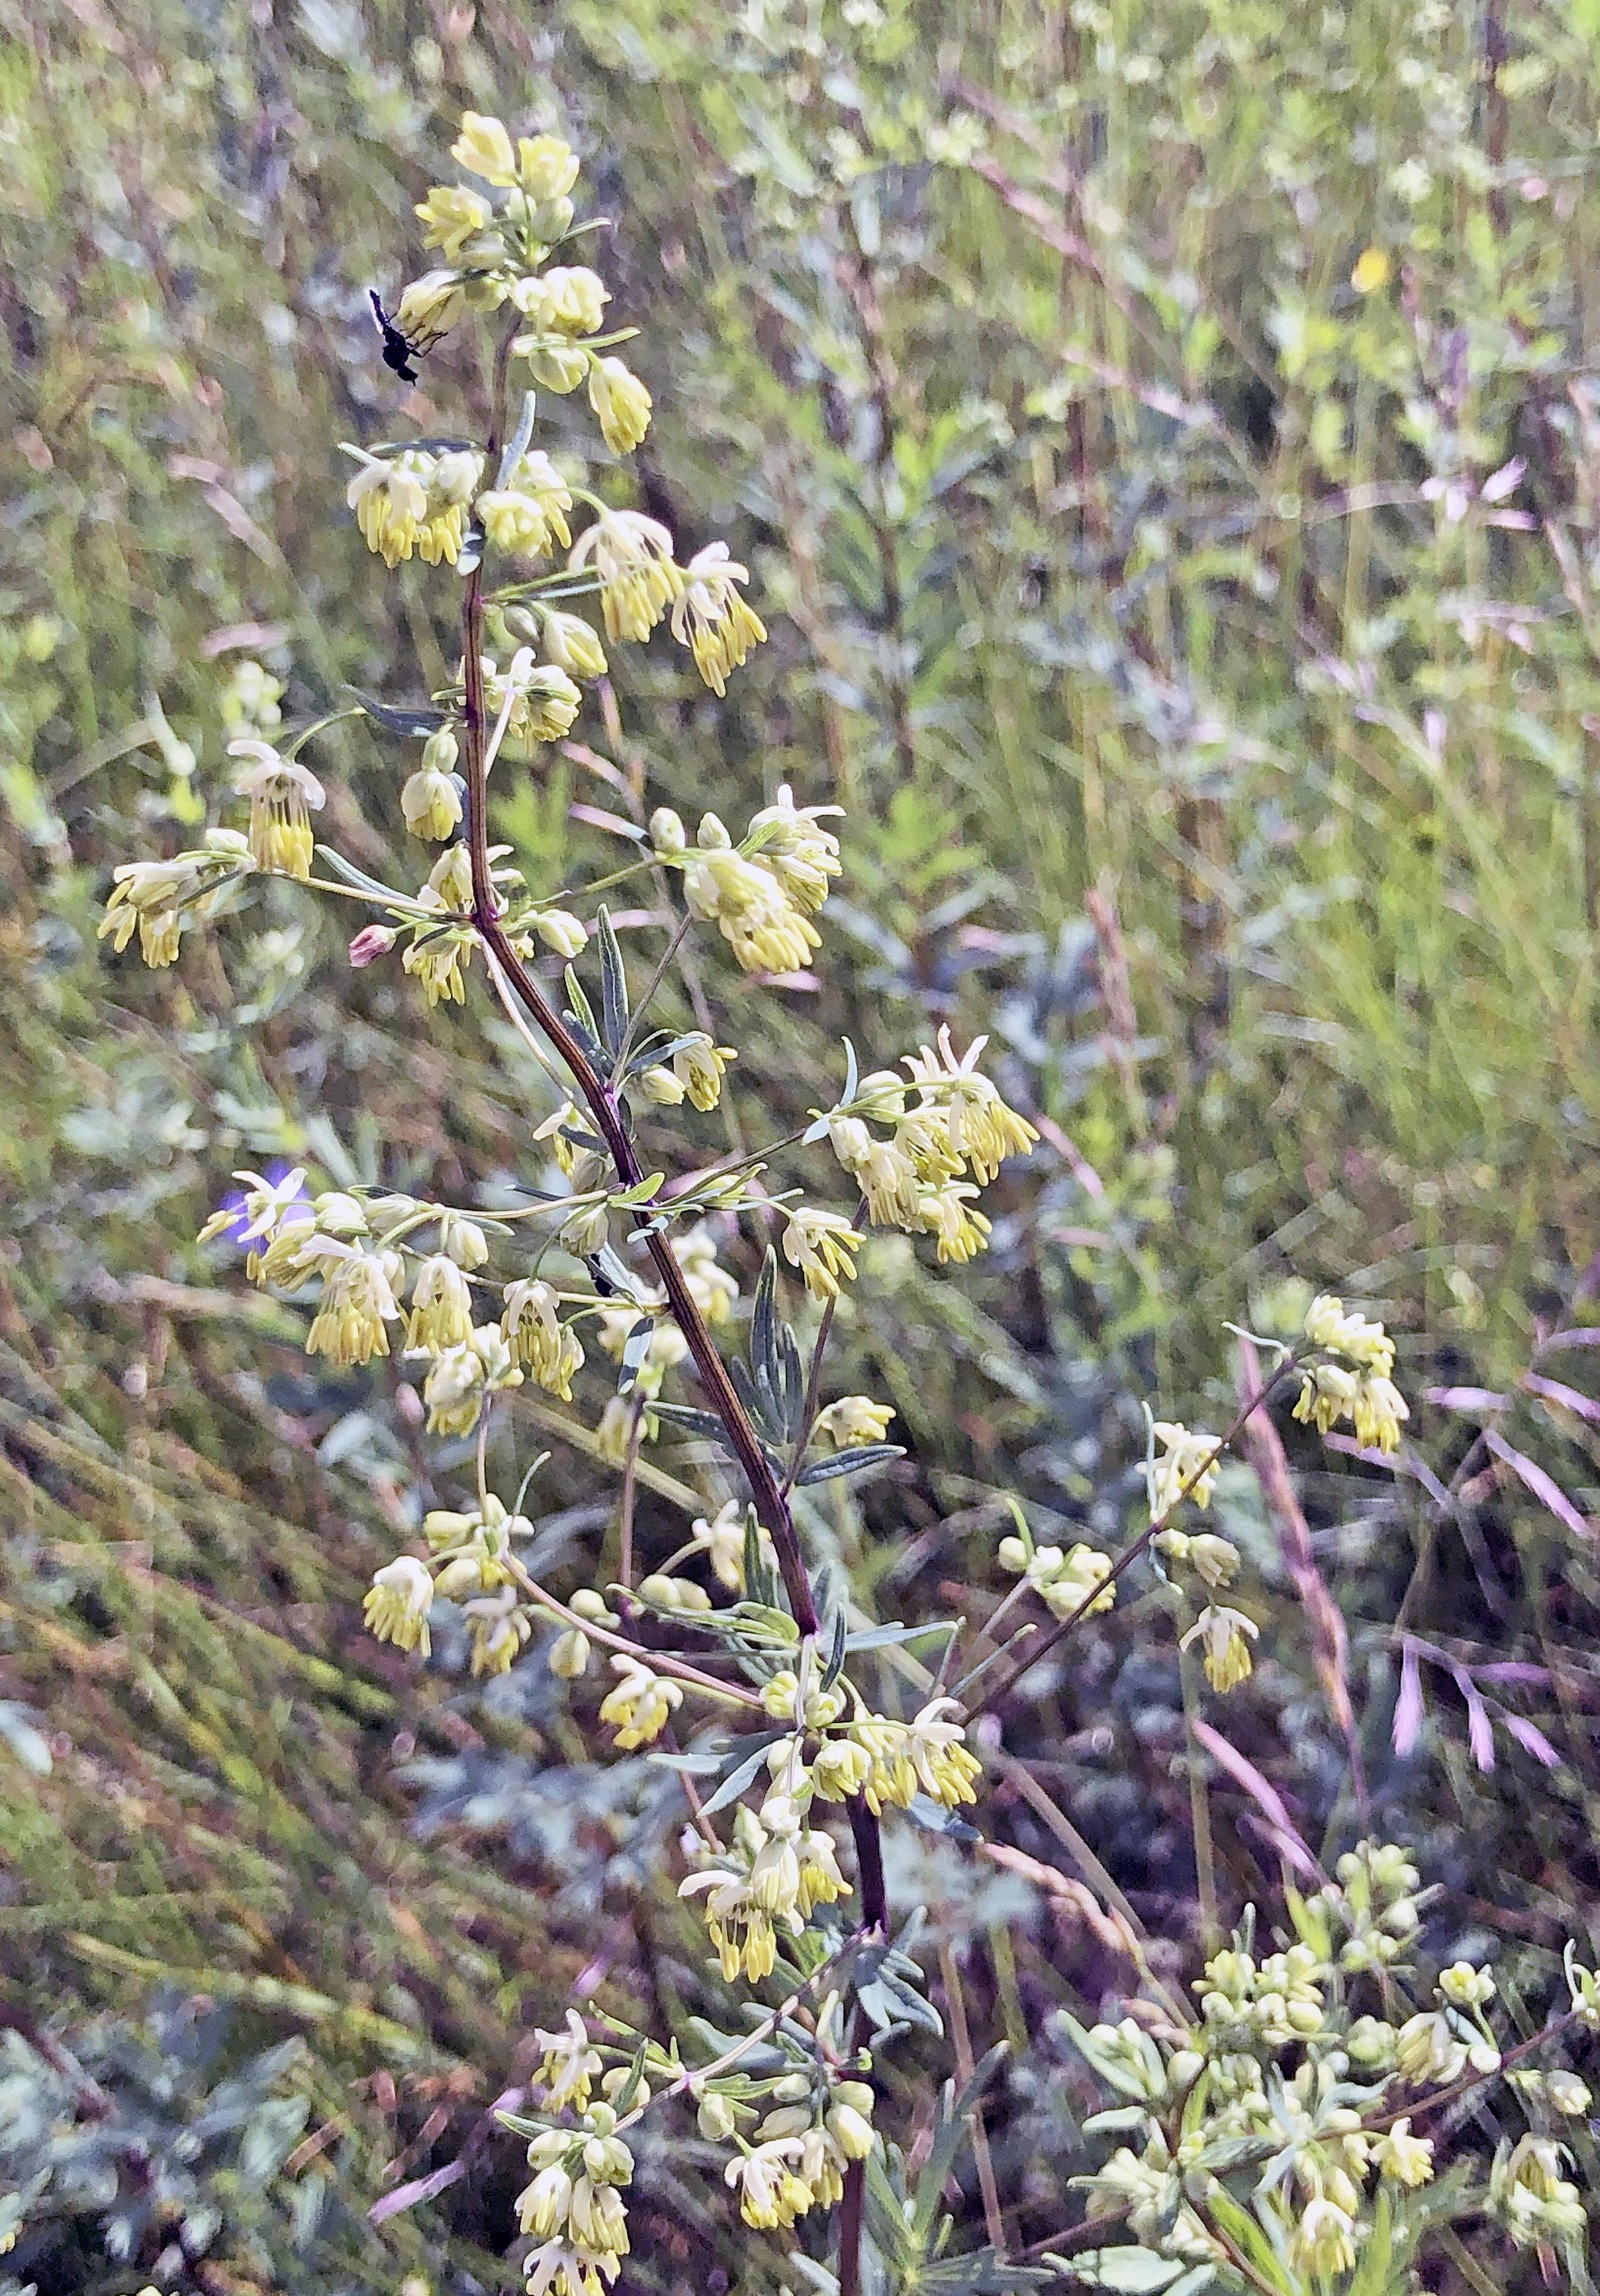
column 400, row 350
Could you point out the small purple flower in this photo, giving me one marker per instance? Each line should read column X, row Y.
column 266, row 1203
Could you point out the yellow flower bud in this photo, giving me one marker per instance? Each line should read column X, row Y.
column 570, row 1655
column 715, row 2119
column 622, row 403
column 546, row 168
column 660, row 1087
column 566, row 934
column 561, row 368
column 483, row 148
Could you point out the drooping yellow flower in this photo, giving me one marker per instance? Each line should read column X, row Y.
column 569, row 2066
column 499, row 1629
column 1226, row 1637
column 357, row 1303
column 983, row 1130
column 1407, row 2160
column 771, row 2196
column 148, row 894
column 633, row 560
column 641, row 1705
column 710, row 618
column 1184, row 1456
column 430, row 803
column 621, row 405
column 283, row 797
column 397, row 1603
column 944, row 1213
column 1324, row 2241
column 537, row 1338
column 442, row 1307
column 528, row 514
column 821, row 1244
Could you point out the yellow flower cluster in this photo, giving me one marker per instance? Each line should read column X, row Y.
column 439, row 953
column 1359, row 1388
column 461, row 1379
column 527, row 511
column 414, row 502
column 469, row 1564
column 1323, row 2138
column 642, row 1704
column 777, row 1869
column 1532, row 2198
column 927, row 1754
column 763, row 893
column 1065, row 1580
column 471, row 1551
column 822, row 1245
column 801, row 2150
column 158, row 897
column 537, row 700
column 574, row 2207
column 914, row 1179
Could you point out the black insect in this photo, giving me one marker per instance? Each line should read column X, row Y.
column 401, row 353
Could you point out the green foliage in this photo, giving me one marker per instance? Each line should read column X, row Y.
column 1117, row 549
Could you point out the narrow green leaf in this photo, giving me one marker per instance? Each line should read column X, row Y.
column 613, row 984
column 857, row 1462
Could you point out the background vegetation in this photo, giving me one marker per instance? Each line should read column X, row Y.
column 1166, row 440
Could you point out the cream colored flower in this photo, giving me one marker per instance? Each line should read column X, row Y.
column 430, row 803
column 621, row 405
column 982, row 1129
column 457, row 221
column 1185, row 1469
column 442, row 1307
column 569, row 2065
column 770, row 2195
column 821, row 1244
column 698, row 1066
column 853, row 1419
column 483, row 148
column 641, row 1705
column 357, row 1301
column 632, row 556
column 1406, row 2159
column 1226, row 1637
column 283, row 798
column 710, row 618
column 1324, row 2239
column 397, row 1604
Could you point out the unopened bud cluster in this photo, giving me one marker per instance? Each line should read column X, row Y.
column 1283, row 2074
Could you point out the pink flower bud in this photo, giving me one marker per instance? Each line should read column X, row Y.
column 371, row 942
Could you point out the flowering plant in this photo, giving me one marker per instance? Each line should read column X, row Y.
column 784, row 1748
